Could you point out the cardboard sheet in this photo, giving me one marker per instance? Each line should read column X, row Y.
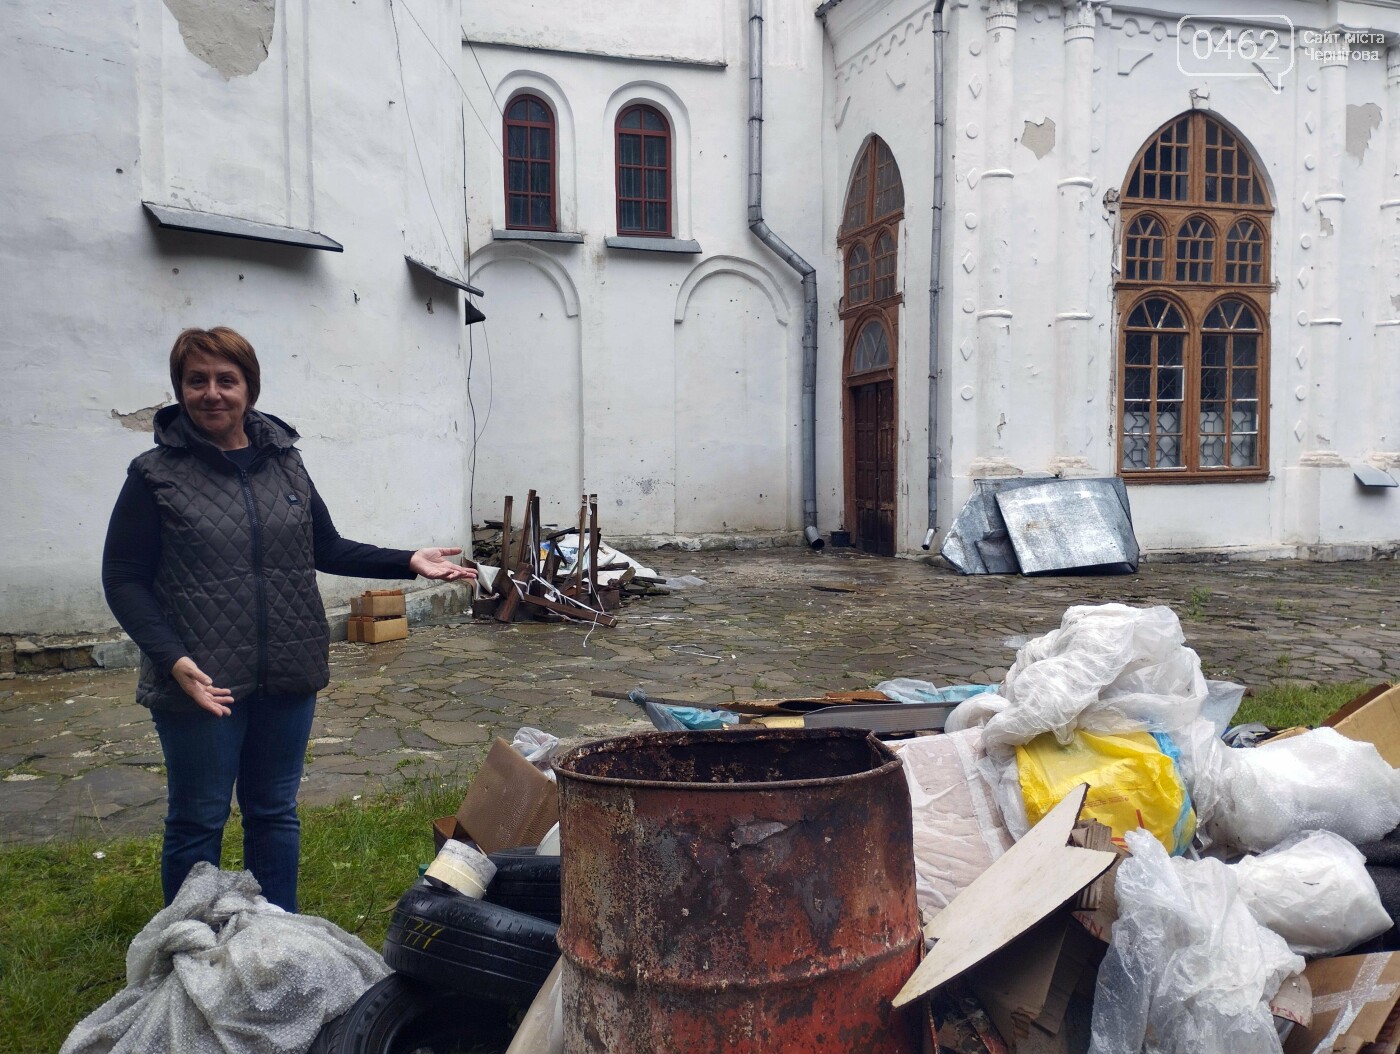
column 1354, row 1004
column 1037, row 875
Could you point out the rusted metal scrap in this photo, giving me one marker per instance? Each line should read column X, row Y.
column 742, row 891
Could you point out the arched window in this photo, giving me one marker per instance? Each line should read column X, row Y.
column 643, row 172
column 530, row 165
column 1194, row 300
column 871, row 350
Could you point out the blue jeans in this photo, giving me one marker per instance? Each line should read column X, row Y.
column 260, row 748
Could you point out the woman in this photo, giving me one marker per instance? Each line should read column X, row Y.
column 210, row 566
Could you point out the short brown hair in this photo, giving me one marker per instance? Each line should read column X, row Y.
column 222, row 342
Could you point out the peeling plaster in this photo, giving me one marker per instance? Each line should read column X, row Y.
column 142, row 420
column 230, row 35
column 1039, row 139
column 1361, row 122
column 1325, row 225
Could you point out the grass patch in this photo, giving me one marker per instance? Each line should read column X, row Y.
column 1285, row 705
column 70, row 915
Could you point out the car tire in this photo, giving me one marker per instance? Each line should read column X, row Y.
column 455, row 943
column 526, row 883
column 398, row 1015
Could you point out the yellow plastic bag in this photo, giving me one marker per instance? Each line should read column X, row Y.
column 1132, row 783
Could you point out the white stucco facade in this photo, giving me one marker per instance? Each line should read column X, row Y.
column 110, row 106
column 666, row 378
column 1047, row 106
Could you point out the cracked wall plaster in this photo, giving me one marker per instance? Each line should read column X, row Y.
column 230, row 35
column 1361, row 122
column 1039, row 139
column 142, row 420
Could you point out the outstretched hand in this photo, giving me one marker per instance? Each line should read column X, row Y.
column 434, row 563
column 199, row 686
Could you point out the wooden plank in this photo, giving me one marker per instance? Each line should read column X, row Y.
column 571, row 612
column 500, row 584
column 1037, row 875
column 510, row 599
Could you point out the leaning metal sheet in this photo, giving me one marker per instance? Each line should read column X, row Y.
column 977, row 543
column 1071, row 525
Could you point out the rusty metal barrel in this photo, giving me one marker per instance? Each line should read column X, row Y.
column 740, row 891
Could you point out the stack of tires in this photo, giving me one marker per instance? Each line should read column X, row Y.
column 461, row 965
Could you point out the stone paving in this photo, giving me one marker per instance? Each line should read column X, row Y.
column 79, row 758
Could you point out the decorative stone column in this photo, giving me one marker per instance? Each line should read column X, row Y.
column 1384, row 433
column 1078, row 402
column 1325, row 318
column 994, row 313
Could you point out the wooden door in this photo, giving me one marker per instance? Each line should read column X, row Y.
column 873, row 432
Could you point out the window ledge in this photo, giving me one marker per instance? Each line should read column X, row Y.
column 683, row 246
column 536, row 236
column 1178, row 476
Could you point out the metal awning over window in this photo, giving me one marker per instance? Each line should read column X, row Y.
column 473, row 313
column 173, row 218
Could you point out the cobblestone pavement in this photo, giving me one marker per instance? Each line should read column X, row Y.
column 79, row 758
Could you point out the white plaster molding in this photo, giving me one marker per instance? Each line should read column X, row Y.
column 532, row 82
column 494, row 253
column 1322, row 459
column 871, row 53
column 669, row 103
column 1080, row 17
column 755, row 273
column 996, row 312
column 1002, row 14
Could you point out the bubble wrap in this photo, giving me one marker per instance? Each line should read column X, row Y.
column 1108, row 668
column 1253, row 799
column 223, row 971
column 1314, row 892
column 1189, row 970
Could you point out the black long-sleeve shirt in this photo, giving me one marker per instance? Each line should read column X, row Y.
column 132, row 554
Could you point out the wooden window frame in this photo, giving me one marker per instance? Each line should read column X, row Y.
column 669, row 171
column 507, row 123
column 1195, row 299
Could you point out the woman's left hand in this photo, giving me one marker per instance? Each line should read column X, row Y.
column 433, row 563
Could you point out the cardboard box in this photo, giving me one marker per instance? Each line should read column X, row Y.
column 1365, row 989
column 509, row 803
column 1373, row 717
column 365, row 630
column 379, row 603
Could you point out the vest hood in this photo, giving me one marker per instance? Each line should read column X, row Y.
column 173, row 428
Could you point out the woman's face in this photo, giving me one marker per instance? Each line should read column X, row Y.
column 216, row 398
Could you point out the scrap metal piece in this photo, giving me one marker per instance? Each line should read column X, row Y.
column 1071, row 525
column 883, row 717
column 977, row 543
column 1370, row 476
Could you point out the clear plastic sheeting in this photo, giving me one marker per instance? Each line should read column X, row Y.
column 911, row 690
column 1314, row 892
column 223, row 971
column 1189, row 970
column 1254, row 799
column 1108, row 668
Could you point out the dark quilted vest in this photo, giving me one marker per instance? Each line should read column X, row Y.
column 237, row 575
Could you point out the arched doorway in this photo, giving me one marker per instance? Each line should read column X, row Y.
column 869, row 244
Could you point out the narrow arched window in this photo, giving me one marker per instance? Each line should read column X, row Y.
column 530, row 165
column 857, row 275
column 643, row 172
column 885, row 285
column 1194, row 307
column 1145, row 252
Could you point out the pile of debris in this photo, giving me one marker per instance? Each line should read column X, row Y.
column 544, row 572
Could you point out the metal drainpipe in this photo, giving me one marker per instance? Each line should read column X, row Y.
column 801, row 266
column 935, row 281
